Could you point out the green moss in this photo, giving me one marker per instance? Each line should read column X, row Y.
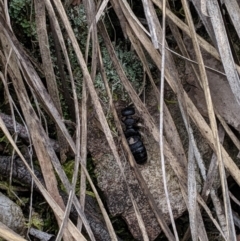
column 22, row 15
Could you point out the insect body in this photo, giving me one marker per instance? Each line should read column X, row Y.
column 133, row 136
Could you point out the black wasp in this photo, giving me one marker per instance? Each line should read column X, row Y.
column 133, row 136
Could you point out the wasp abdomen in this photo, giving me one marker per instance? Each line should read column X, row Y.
column 133, row 136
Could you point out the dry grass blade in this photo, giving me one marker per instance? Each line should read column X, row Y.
column 171, row 135
column 53, row 91
column 229, row 163
column 179, row 23
column 161, row 97
column 101, row 9
column 219, row 212
column 191, row 170
column 228, row 211
column 204, row 17
column 149, row 10
column 9, row 234
column 206, row 132
column 224, row 49
column 35, row 82
column 155, row 56
column 207, row 188
column 135, row 98
column 230, row 133
column 55, row 207
column 76, row 164
column 149, row 122
column 12, row 105
column 172, row 75
column 192, row 110
column 204, row 7
column 194, row 211
column 88, row 80
column 192, row 193
column 208, row 211
column 234, row 13
column 93, row 33
column 234, row 199
column 77, row 151
column 210, row 176
column 178, row 37
column 208, row 185
column 235, row 140
column 90, row 11
column 151, row 23
column 27, row 83
column 59, row 40
column 140, row 220
column 36, row 131
column 83, row 150
column 136, row 209
column 102, row 208
column 71, row 195
column 138, row 215
column 32, row 75
column 48, row 69
column 82, row 61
